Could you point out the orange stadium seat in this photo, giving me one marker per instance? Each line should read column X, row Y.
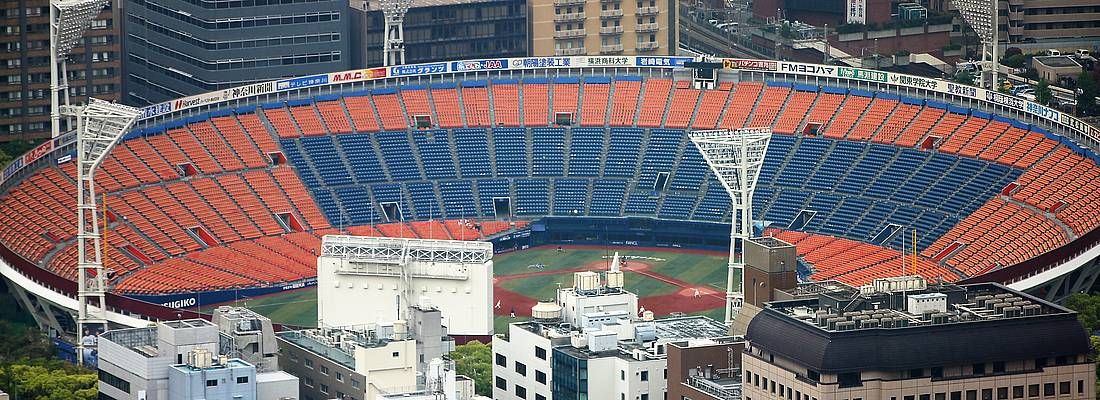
column 744, row 99
column 872, row 119
column 792, row 116
column 475, row 101
column 536, row 104
column 682, row 107
column 846, row 117
column 308, row 120
column 710, row 108
column 624, row 102
column 594, row 109
column 654, row 102
column 334, row 117
column 506, row 104
column 362, row 113
column 447, row 109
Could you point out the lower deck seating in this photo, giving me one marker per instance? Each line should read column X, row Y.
column 858, row 263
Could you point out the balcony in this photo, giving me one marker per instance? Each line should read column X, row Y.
column 647, row 46
column 646, row 28
column 569, row 17
column 611, row 14
column 611, row 30
column 647, row 11
column 562, row 3
column 1015, row 15
column 572, row 33
column 1015, row 30
column 569, row 52
column 611, row 49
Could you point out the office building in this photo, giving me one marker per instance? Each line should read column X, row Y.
column 250, row 336
column 591, row 344
column 177, row 48
column 705, row 369
column 444, row 30
column 605, row 27
column 201, row 378
column 402, row 359
column 140, row 363
column 900, row 338
column 94, row 66
column 1034, row 20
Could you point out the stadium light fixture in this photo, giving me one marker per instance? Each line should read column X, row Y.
column 982, row 15
column 68, row 21
column 394, row 13
column 736, row 157
column 99, row 125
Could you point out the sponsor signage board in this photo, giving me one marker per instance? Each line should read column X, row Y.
column 916, row 82
column 661, row 61
column 38, row 152
column 543, row 62
column 479, row 65
column 417, row 69
column 155, row 110
column 861, row 74
column 750, row 65
column 305, row 81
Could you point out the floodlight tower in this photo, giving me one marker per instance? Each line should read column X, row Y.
column 735, row 156
column 68, row 21
column 982, row 17
column 394, row 13
column 99, row 125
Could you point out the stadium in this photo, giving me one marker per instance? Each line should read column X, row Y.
column 227, row 194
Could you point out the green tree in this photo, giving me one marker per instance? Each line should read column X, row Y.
column 1088, row 310
column 1043, row 95
column 475, row 360
column 1086, row 99
column 965, row 78
column 45, row 380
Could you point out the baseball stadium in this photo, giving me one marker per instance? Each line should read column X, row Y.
column 560, row 162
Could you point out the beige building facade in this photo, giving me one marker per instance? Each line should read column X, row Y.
column 602, row 27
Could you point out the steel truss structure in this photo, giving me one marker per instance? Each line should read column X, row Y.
column 99, row 125
column 394, row 13
column 398, row 250
column 68, row 21
column 736, row 157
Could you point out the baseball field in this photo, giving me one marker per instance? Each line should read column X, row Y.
column 666, row 280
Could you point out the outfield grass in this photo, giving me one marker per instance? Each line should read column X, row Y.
column 298, row 307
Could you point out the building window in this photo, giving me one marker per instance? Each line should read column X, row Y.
column 540, row 353
column 1002, row 393
column 521, row 392
column 1063, row 387
column 645, row 396
column 979, row 369
column 502, row 384
column 309, row 363
column 971, row 395
column 1018, row 392
column 307, row 381
column 502, row 360
column 1048, row 389
column 355, row 383
column 211, row 382
column 998, row 367
column 324, row 388
column 622, row 375
column 987, row 394
column 242, row 379
column 324, row 370
column 521, row 368
column 1033, row 390
column 116, row 382
column 395, row 354
column 539, row 397
column 1080, row 386
column 540, row 377
column 645, row 376
column 956, row 395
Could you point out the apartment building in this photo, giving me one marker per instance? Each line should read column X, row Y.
column 604, row 27
column 94, row 66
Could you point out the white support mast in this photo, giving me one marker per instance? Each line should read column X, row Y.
column 68, row 21
column 393, row 12
column 982, row 16
column 736, row 157
column 99, row 125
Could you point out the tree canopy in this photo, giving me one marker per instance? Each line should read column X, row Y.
column 475, row 360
